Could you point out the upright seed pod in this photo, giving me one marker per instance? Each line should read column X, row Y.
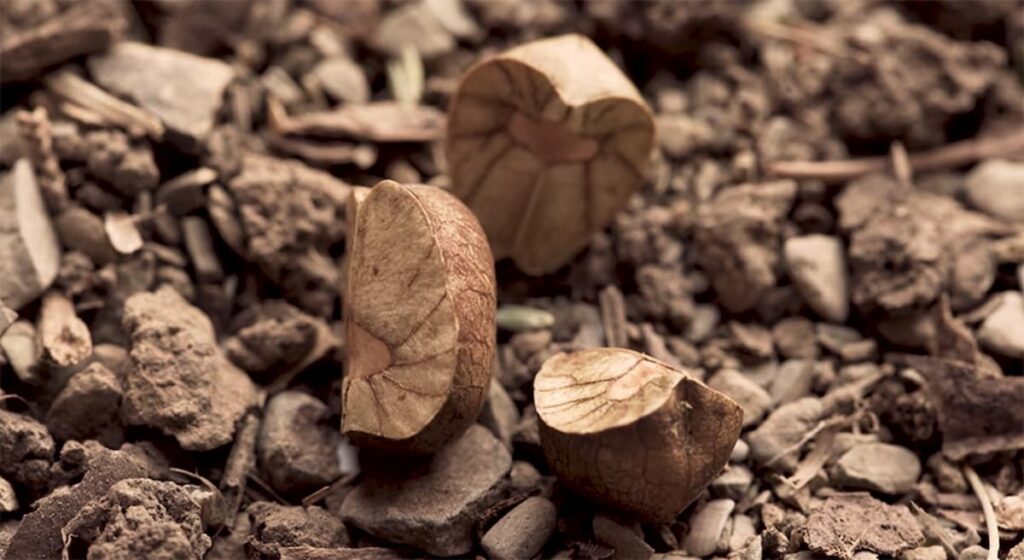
column 419, row 319
column 546, row 142
column 631, row 432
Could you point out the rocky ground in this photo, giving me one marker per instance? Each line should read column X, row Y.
column 831, row 233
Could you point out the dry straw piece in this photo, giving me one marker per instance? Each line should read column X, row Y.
column 419, row 318
column 628, row 431
column 546, row 142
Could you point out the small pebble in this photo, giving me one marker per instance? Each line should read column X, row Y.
column 1003, row 331
column 754, row 400
column 706, row 527
column 880, row 467
column 996, row 187
column 522, row 532
column 817, row 267
column 518, row 318
column 733, row 482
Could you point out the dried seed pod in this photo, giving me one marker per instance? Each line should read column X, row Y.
column 420, row 305
column 626, row 430
column 546, row 142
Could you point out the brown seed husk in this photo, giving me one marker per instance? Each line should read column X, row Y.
column 546, row 142
column 631, row 432
column 420, row 319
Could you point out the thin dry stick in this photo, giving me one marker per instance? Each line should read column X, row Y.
column 986, row 507
column 613, row 317
column 948, row 156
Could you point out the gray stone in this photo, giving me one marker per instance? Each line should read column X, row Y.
column 781, row 430
column 880, row 467
column 626, row 539
column 706, row 527
column 792, row 381
column 996, row 187
column 733, row 483
column 152, row 77
column 432, row 505
column 297, row 449
column 29, row 251
column 1003, row 330
column 499, row 413
column 751, row 397
column 817, row 266
column 522, row 532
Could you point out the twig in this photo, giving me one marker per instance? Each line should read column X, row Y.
column 613, row 317
column 934, row 530
column 986, row 507
column 948, row 156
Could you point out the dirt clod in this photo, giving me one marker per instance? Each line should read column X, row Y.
column 178, row 380
column 139, row 517
column 848, row 523
column 275, row 526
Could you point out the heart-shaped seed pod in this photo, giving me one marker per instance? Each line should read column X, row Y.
column 628, row 431
column 419, row 319
column 546, row 142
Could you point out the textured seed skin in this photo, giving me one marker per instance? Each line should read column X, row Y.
column 655, row 465
column 421, row 305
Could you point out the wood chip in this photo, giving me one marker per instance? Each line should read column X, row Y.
column 613, row 317
column 381, row 121
column 29, row 252
column 85, row 27
column 199, row 244
column 63, row 337
column 111, row 110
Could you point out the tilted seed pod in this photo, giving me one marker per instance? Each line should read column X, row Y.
column 419, row 319
column 546, row 142
column 628, row 431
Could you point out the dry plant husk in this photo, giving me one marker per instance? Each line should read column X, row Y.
column 420, row 319
column 626, row 430
column 546, row 142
